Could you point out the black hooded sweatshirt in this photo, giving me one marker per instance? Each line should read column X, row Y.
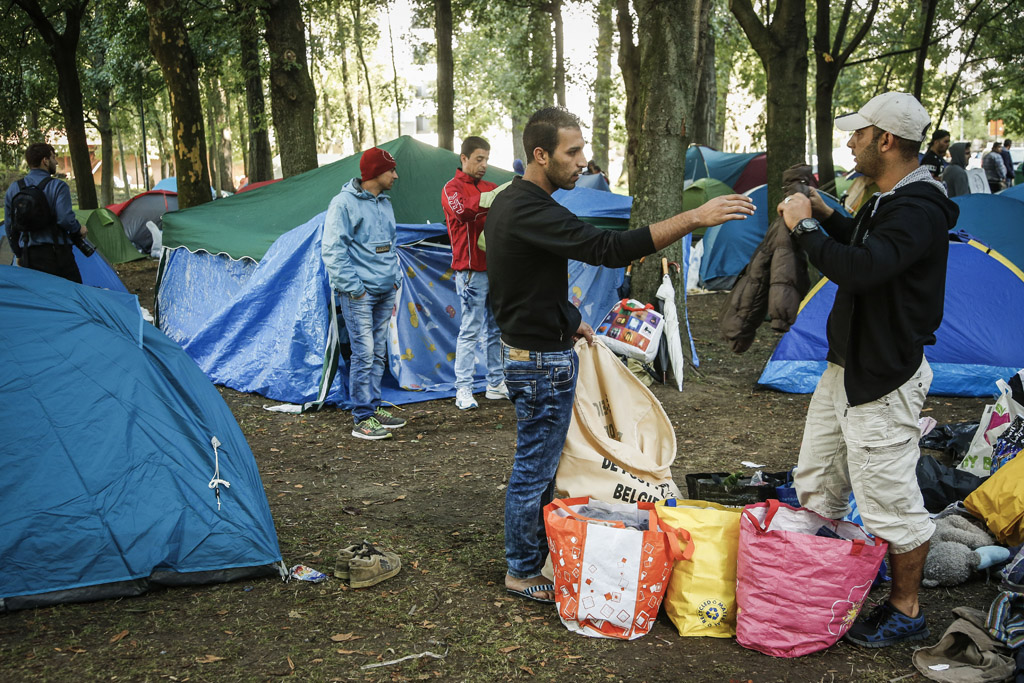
column 889, row 264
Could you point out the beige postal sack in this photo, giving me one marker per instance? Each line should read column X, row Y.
column 620, row 444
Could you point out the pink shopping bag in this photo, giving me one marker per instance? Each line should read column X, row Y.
column 801, row 578
column 612, row 563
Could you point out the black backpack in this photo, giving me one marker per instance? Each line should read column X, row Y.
column 30, row 211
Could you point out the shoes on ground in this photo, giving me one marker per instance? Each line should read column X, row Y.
column 464, row 399
column 363, row 565
column 497, row 392
column 370, row 429
column 887, row 626
column 387, row 420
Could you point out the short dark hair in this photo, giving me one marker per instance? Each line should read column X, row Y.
column 473, row 143
column 1007, row 142
column 542, row 129
column 939, row 134
column 37, row 152
column 908, row 149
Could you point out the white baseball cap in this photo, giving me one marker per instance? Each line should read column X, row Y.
column 898, row 113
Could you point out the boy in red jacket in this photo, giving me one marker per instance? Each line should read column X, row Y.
column 465, row 219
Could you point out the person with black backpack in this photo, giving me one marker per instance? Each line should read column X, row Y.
column 40, row 224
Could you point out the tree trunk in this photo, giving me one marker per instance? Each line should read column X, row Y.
column 556, row 16
column 603, row 84
column 168, row 40
column 354, row 126
column 124, row 166
column 670, row 46
column 445, row 75
column 161, row 146
column 929, row 7
column 394, row 70
column 106, row 132
column 292, row 97
column 705, row 111
column 542, row 66
column 211, row 138
column 782, row 47
column 63, row 49
column 518, row 124
column 629, row 64
column 222, row 136
column 260, row 164
column 357, row 32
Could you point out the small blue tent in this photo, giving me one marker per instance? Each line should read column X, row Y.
column 977, row 343
column 995, row 220
column 95, row 270
column 112, row 437
column 729, row 247
column 1014, row 192
column 593, row 181
column 704, row 162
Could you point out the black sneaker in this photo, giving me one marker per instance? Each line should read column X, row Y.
column 887, row 626
column 387, row 420
column 370, row 429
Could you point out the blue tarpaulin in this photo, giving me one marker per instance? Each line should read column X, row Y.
column 108, row 454
column 704, row 162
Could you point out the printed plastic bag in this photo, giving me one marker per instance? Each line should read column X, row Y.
column 633, row 329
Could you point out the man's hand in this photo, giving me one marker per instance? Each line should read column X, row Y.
column 85, row 230
column 819, row 208
column 586, row 332
column 721, row 209
column 794, row 209
column 714, row 212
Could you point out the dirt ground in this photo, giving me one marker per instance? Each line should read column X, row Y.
column 435, row 495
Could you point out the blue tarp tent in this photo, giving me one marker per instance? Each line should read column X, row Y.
column 977, row 343
column 994, row 220
column 703, row 162
column 586, row 201
column 267, row 327
column 108, row 454
column 95, row 270
column 1014, row 192
column 729, row 247
column 593, row 181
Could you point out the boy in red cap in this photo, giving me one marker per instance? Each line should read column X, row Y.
column 358, row 250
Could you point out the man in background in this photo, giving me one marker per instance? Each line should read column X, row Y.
column 934, row 157
column 1008, row 161
column 995, row 169
column 46, row 244
column 460, row 199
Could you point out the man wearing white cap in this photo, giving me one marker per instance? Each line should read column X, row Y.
column 861, row 433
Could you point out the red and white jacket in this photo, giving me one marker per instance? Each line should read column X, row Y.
column 465, row 219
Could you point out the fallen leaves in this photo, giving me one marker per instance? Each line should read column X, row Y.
column 345, row 637
column 118, row 636
column 510, row 648
column 209, row 659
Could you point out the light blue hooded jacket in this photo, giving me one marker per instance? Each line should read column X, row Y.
column 358, row 245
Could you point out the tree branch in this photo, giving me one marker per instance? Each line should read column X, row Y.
column 758, row 34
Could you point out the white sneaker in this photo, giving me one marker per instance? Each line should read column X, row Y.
column 497, row 392
column 464, row 399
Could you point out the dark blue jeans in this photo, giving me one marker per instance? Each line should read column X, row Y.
column 542, row 386
column 366, row 319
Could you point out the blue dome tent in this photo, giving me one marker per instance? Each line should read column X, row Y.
column 977, row 343
column 113, row 438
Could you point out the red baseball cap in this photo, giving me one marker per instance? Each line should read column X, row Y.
column 374, row 162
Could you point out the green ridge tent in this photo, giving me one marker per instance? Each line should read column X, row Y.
column 107, row 235
column 245, row 225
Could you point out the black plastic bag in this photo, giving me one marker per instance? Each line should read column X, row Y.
column 952, row 439
column 941, row 485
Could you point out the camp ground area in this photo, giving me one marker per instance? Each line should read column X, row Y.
column 434, row 494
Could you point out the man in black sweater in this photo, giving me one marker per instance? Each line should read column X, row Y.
column 530, row 239
column 861, row 434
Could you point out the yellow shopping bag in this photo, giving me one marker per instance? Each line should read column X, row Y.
column 701, row 596
column 1000, row 502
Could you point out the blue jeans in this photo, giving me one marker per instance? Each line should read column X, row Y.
column 542, row 386
column 367, row 321
column 473, row 288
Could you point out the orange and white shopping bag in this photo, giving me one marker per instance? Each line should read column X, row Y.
column 611, row 563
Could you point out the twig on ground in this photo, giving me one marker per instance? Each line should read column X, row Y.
column 900, row 678
column 402, row 659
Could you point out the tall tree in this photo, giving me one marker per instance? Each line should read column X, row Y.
column 292, row 96
column 63, row 47
column 927, row 27
column 629, row 64
column 705, row 110
column 261, row 164
column 670, row 48
column 602, row 102
column 831, row 55
column 555, row 8
column 168, row 39
column 445, row 74
column 357, row 31
column 782, row 46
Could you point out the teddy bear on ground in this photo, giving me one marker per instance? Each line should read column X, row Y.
column 958, row 548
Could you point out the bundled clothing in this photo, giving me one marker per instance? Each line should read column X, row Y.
column 774, row 282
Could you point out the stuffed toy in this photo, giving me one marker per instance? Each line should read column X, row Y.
column 959, row 548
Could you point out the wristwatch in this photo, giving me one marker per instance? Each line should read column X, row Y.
column 806, row 225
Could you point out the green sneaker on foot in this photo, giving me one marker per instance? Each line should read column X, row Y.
column 387, row 420
column 370, row 429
